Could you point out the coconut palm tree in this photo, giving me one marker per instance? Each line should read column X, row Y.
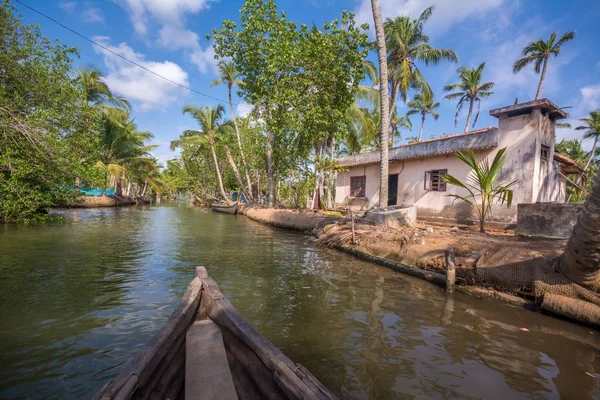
column 471, row 90
column 384, row 104
column 212, row 125
column 581, row 259
column 95, row 90
column 407, row 44
column 399, row 121
column 592, row 131
column 121, row 146
column 231, row 77
column 539, row 52
column 424, row 104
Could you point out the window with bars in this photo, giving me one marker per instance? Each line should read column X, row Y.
column 434, row 181
column 357, row 186
column 545, row 152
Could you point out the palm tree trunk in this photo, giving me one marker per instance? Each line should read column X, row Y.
column 542, row 77
column 385, row 107
column 422, row 125
column 270, row 177
column 592, row 154
column 239, row 140
column 270, row 172
column 145, row 187
column 221, row 188
column 236, row 172
column 581, row 260
column 469, row 115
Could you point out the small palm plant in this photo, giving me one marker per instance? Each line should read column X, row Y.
column 481, row 184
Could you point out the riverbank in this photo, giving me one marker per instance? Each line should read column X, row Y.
column 499, row 265
column 109, row 201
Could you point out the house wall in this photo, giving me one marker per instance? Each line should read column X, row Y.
column 522, row 135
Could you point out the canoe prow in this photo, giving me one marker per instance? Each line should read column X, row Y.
column 259, row 369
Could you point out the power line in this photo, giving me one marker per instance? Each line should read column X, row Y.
column 123, row 57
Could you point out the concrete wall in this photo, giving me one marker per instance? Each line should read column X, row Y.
column 547, row 220
column 522, row 135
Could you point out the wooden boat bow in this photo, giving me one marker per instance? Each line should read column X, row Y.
column 259, row 368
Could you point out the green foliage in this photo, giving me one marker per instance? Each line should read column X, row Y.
column 540, row 50
column 481, row 184
column 424, row 104
column 407, row 43
column 45, row 123
column 469, row 89
column 302, row 80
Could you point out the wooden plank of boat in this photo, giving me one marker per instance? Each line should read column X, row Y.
column 226, row 209
column 258, row 368
column 207, row 373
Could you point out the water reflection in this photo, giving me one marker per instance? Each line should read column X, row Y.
column 79, row 299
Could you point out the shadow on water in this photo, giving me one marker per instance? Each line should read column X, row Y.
column 80, row 298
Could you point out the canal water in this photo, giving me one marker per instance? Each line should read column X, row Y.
column 80, row 298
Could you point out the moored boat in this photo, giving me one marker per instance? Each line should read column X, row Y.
column 206, row 350
column 225, row 208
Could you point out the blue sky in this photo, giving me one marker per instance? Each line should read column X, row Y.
column 168, row 37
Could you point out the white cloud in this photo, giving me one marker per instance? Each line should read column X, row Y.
column 243, row 109
column 150, row 91
column 167, row 12
column 590, row 97
column 87, row 11
column 204, row 59
column 446, row 14
column 176, row 37
column 588, row 100
column 173, row 33
column 67, row 5
column 92, row 14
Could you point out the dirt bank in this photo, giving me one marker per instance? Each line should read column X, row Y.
column 498, row 264
column 289, row 219
column 109, row 201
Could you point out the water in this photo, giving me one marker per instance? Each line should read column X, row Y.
column 78, row 299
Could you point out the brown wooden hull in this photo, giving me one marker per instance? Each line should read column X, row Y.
column 259, row 369
column 233, row 209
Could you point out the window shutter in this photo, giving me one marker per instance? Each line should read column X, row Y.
column 427, row 181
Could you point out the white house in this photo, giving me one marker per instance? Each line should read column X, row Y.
column 527, row 130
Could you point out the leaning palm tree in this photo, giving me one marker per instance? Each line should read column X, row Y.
column 407, row 44
column 384, row 104
column 581, row 260
column 592, row 131
column 212, row 126
column 424, row 104
column 539, row 52
column 471, row 90
column 230, row 76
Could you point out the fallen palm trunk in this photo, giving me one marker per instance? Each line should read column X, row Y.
column 577, row 310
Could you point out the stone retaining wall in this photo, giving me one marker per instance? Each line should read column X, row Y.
column 547, row 220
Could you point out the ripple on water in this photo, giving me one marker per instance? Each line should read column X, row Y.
column 79, row 299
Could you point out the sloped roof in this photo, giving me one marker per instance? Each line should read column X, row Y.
column 569, row 166
column 486, row 138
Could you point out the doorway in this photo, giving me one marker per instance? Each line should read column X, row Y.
column 392, row 190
